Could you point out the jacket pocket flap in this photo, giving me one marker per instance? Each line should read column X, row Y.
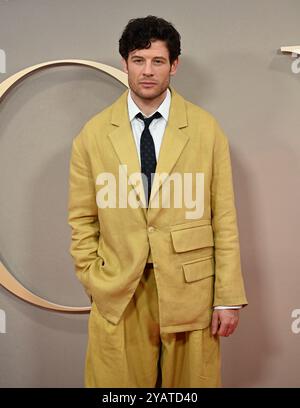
column 192, row 238
column 198, row 269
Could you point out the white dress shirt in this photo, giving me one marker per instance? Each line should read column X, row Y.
column 157, row 129
column 157, row 126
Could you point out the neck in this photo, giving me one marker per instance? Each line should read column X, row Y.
column 148, row 106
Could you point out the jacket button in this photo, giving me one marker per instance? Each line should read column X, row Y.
column 151, row 229
column 155, row 265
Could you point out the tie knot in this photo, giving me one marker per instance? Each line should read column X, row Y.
column 147, row 121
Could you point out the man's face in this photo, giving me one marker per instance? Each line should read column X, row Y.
column 149, row 70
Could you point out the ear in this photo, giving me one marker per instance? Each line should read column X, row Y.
column 124, row 65
column 174, row 66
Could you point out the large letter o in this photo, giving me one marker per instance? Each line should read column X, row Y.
column 6, row 278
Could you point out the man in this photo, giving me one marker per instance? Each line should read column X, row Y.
column 162, row 270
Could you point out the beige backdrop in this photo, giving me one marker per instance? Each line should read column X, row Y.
column 231, row 67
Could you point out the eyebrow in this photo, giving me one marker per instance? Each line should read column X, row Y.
column 156, row 57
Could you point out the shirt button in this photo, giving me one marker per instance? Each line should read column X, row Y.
column 151, row 229
column 155, row 265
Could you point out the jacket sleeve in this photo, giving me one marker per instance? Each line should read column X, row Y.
column 229, row 286
column 83, row 215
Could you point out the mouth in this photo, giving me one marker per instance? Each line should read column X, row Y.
column 147, row 83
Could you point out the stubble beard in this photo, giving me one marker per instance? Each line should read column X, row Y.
column 148, row 97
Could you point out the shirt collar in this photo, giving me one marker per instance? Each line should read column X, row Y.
column 163, row 108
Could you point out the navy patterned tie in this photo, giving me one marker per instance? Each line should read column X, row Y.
column 147, row 151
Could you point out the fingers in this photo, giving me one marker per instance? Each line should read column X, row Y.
column 214, row 323
column 227, row 327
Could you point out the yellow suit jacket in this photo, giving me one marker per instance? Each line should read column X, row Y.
column 196, row 260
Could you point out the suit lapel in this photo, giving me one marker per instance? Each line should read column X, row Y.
column 173, row 143
column 123, row 143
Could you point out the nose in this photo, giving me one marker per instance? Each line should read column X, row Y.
column 148, row 69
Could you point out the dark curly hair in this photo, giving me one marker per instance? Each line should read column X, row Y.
column 140, row 31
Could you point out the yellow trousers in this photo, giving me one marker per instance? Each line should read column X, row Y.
column 134, row 354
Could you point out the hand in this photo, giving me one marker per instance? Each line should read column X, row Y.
column 224, row 321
